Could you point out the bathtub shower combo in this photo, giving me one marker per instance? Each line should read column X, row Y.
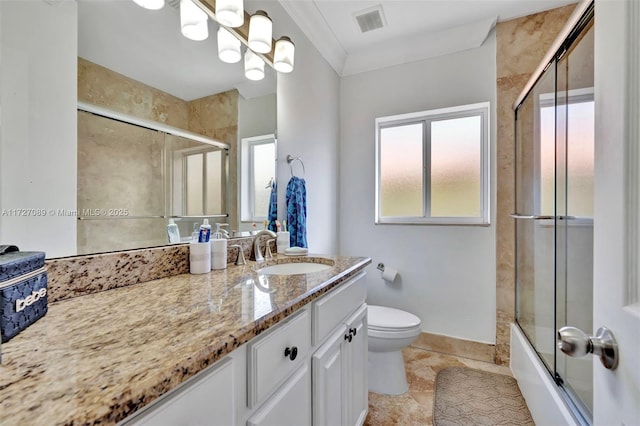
column 554, row 162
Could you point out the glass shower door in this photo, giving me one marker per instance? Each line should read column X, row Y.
column 574, row 210
column 554, row 161
column 535, row 227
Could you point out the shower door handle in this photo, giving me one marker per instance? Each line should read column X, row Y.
column 531, row 216
column 576, row 343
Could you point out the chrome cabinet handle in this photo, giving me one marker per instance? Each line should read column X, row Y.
column 576, row 343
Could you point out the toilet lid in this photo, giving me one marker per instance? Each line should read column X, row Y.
column 383, row 318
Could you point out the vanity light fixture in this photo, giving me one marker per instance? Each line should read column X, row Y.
column 260, row 31
column 228, row 46
column 150, row 4
column 283, row 55
column 193, row 21
column 253, row 66
column 230, row 13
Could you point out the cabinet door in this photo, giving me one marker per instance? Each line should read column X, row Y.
column 290, row 405
column 355, row 354
column 207, row 399
column 328, row 391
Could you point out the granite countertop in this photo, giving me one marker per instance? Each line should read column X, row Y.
column 98, row 358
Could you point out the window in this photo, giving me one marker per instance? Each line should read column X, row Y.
column 198, row 176
column 258, row 170
column 432, row 167
column 575, row 157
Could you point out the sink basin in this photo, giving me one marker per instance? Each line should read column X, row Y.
column 294, row 268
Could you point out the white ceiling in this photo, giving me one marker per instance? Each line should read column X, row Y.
column 416, row 29
column 148, row 46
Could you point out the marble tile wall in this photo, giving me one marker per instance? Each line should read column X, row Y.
column 521, row 45
column 101, row 86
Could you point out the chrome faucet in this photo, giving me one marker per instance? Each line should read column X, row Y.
column 256, row 244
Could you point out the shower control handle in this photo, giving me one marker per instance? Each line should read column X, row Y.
column 576, row 343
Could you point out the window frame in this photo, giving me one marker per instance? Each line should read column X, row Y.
column 247, row 189
column 481, row 109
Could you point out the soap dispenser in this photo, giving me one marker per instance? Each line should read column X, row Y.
column 218, row 248
column 173, row 232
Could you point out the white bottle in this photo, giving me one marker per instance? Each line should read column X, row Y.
column 218, row 249
column 173, row 232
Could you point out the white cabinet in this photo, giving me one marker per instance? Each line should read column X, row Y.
column 310, row 369
column 205, row 399
column 290, row 405
column 328, row 388
column 357, row 398
column 340, row 374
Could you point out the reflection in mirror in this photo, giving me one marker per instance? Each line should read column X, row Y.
column 119, row 56
column 131, row 178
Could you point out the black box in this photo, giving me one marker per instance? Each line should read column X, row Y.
column 23, row 290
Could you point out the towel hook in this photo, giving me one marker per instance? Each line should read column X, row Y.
column 291, row 159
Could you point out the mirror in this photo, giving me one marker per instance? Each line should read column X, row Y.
column 135, row 62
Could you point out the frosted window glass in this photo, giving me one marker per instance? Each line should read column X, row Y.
column 401, row 171
column 263, row 171
column 547, row 160
column 455, row 167
column 580, row 149
column 580, row 155
column 214, row 182
column 194, row 185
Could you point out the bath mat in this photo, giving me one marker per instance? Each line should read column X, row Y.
column 464, row 396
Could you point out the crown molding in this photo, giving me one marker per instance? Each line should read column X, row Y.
column 312, row 23
column 419, row 47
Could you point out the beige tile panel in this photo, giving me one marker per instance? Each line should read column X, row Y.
column 453, row 346
column 101, row 86
column 527, row 39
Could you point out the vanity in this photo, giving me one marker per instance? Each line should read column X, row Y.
column 230, row 347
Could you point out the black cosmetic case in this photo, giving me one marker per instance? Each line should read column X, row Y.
column 23, row 290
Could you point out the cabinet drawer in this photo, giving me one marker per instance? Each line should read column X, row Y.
column 207, row 398
column 274, row 356
column 332, row 309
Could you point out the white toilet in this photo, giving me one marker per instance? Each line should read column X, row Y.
column 389, row 331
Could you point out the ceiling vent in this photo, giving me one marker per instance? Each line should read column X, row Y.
column 370, row 19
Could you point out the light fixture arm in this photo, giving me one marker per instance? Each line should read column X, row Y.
column 242, row 32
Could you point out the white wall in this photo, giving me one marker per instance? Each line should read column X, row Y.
column 447, row 273
column 256, row 116
column 308, row 121
column 38, row 92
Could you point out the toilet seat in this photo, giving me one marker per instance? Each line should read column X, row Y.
column 390, row 320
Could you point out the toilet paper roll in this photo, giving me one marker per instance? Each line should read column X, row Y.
column 199, row 257
column 389, row 274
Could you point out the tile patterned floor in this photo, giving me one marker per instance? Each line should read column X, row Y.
column 416, row 406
